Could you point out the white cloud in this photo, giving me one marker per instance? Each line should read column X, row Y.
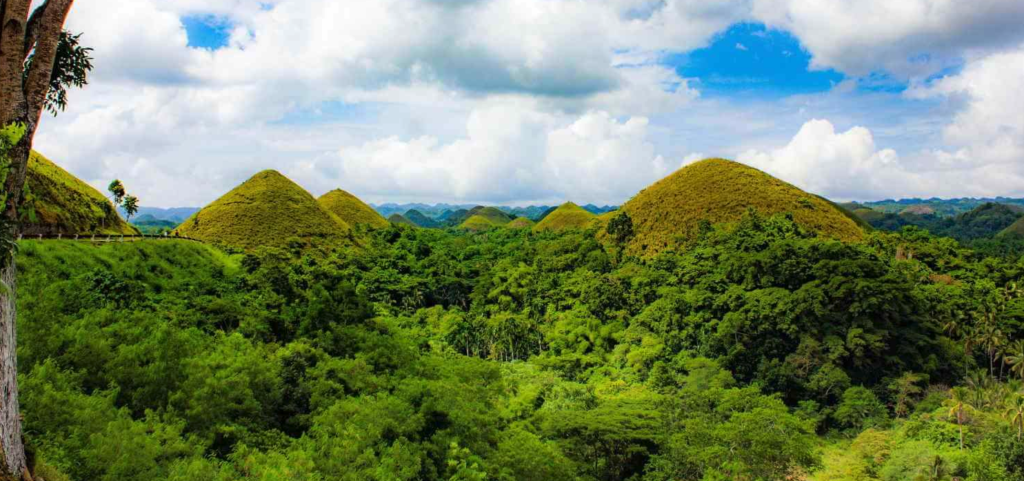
column 911, row 38
column 511, row 153
column 841, row 165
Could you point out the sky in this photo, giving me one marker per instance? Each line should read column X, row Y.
column 519, row 102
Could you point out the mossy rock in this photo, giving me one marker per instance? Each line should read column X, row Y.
column 64, row 204
column 567, row 216
column 668, row 213
column 351, row 209
column 266, row 210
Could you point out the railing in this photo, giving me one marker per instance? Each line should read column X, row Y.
column 105, row 237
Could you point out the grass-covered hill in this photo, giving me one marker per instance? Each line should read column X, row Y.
column 521, row 223
column 421, row 220
column 919, row 209
column 566, row 216
column 983, row 222
column 1015, row 229
column 478, row 223
column 670, row 211
column 350, row 209
column 64, row 204
column 399, row 219
column 266, row 210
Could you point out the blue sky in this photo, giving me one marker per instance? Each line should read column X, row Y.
column 530, row 101
column 206, row 31
column 749, row 58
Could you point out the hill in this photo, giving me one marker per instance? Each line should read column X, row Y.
column 720, row 191
column 176, row 215
column 920, row 209
column 350, row 209
column 64, row 204
column 566, row 216
column 478, row 223
column 150, row 225
column 399, row 219
column 421, row 220
column 521, row 223
column 266, row 210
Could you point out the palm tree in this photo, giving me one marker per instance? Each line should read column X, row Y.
column 130, row 205
column 991, row 338
column 1015, row 413
column 1015, row 358
column 959, row 406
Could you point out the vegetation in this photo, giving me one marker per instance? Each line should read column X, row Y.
column 671, row 212
column 266, row 210
column 420, row 220
column 566, row 216
column 478, row 223
column 350, row 209
column 761, row 352
column 399, row 219
column 521, row 223
column 63, row 204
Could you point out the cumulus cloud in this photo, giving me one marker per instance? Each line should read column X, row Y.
column 511, row 153
column 517, row 100
column 909, row 38
column 843, row 165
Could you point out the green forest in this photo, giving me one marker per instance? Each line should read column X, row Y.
column 757, row 350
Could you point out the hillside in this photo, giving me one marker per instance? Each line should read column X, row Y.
column 64, row 204
column 521, row 223
column 266, row 210
column 492, row 215
column 920, row 209
column 421, row 220
column 720, row 191
column 399, row 219
column 350, row 209
column 479, row 223
column 566, row 216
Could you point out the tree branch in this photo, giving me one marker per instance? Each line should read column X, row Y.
column 32, row 29
column 37, row 82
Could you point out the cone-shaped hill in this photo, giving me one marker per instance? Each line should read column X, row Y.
column 399, row 219
column 720, row 191
column 566, row 216
column 350, row 209
column 266, row 210
column 64, row 204
column 480, row 218
column 521, row 223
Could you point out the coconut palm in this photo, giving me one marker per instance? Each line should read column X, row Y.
column 959, row 407
column 1015, row 413
column 1015, row 357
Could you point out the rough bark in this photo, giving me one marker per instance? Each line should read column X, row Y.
column 22, row 99
column 10, row 420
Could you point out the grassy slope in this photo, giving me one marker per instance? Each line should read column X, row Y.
column 401, row 220
column 566, row 216
column 65, row 204
column 484, row 218
column 265, row 210
column 521, row 223
column 351, row 209
column 154, row 263
column 420, row 219
column 721, row 191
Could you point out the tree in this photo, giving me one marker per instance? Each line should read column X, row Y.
column 959, row 406
column 1015, row 358
column 1015, row 413
column 29, row 47
column 904, row 389
column 621, row 227
column 117, row 191
column 130, row 205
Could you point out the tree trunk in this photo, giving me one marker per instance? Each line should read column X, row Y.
column 10, row 419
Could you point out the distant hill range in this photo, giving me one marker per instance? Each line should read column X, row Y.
column 454, row 215
column 172, row 214
column 939, row 207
